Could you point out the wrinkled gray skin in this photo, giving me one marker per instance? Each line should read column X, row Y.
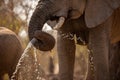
column 96, row 21
column 10, row 51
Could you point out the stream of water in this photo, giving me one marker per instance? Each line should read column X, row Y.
column 28, row 67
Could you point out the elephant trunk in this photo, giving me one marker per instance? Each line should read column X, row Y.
column 45, row 41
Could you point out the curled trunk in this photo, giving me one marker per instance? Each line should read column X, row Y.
column 45, row 41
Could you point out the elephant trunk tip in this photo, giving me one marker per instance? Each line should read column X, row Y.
column 44, row 41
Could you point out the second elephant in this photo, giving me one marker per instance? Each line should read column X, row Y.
column 10, row 51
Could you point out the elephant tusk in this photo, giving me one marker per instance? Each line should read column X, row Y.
column 60, row 23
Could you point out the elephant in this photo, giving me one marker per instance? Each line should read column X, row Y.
column 10, row 51
column 94, row 22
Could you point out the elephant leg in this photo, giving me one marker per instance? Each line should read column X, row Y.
column 114, row 61
column 99, row 51
column 66, row 55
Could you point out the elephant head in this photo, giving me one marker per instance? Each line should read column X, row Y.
column 96, row 12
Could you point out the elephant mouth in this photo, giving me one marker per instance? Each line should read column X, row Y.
column 59, row 22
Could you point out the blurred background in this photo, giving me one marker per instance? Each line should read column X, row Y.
column 15, row 15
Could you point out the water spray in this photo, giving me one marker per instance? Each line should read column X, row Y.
column 25, row 69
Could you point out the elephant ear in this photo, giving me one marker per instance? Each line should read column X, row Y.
column 97, row 11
